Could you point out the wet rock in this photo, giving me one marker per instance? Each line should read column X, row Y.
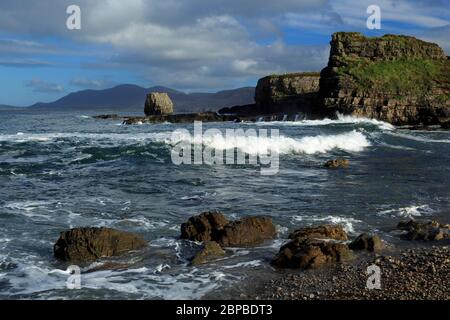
column 303, row 253
column 113, row 116
column 337, row 163
column 247, row 231
column 424, row 230
column 213, row 226
column 83, row 245
column 210, row 250
column 327, row 231
column 158, row 103
column 205, row 227
column 367, row 242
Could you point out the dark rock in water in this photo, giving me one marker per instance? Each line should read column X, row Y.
column 424, row 230
column 446, row 125
column 181, row 118
column 247, row 231
column 205, row 227
column 89, row 244
column 213, row 226
column 328, row 231
column 398, row 79
column 210, row 250
column 337, row 163
column 158, row 103
column 107, row 116
column 367, row 242
column 310, row 253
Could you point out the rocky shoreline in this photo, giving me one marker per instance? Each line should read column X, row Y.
column 410, row 274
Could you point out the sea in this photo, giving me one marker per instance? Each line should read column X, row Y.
column 65, row 169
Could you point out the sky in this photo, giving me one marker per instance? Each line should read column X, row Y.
column 189, row 45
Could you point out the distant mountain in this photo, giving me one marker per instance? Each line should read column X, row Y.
column 132, row 98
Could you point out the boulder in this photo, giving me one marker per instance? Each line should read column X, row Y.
column 328, row 231
column 210, row 250
column 158, row 103
column 205, row 227
column 367, row 242
column 82, row 245
column 337, row 163
column 307, row 253
column 247, row 231
column 213, row 226
column 424, row 230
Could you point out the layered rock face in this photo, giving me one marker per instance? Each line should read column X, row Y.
column 158, row 104
column 398, row 79
column 287, row 93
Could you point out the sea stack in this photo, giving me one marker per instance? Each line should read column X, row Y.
column 158, row 103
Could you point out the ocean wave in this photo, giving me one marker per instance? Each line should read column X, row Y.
column 418, row 138
column 353, row 141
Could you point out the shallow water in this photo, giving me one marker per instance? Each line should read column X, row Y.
column 64, row 169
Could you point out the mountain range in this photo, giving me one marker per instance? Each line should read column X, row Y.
column 131, row 98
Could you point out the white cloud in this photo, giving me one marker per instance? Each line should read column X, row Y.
column 44, row 87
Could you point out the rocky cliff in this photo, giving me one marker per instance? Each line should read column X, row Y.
column 287, row 93
column 398, row 79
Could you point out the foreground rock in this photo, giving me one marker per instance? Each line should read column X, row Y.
column 413, row 274
column 210, row 250
column 337, row 163
column 158, row 103
column 82, row 245
column 213, row 226
column 310, row 254
column 367, row 242
column 424, row 230
column 313, row 247
column 398, row 79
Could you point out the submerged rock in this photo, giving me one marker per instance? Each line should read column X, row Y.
column 337, row 163
column 158, row 103
column 89, row 244
column 367, row 242
column 327, row 231
column 213, row 226
column 210, row 250
column 424, row 230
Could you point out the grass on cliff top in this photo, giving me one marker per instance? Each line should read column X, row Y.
column 395, row 77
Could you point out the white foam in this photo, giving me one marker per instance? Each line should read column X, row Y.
column 346, row 222
column 341, row 119
column 409, row 212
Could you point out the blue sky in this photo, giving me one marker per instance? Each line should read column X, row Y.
column 190, row 45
